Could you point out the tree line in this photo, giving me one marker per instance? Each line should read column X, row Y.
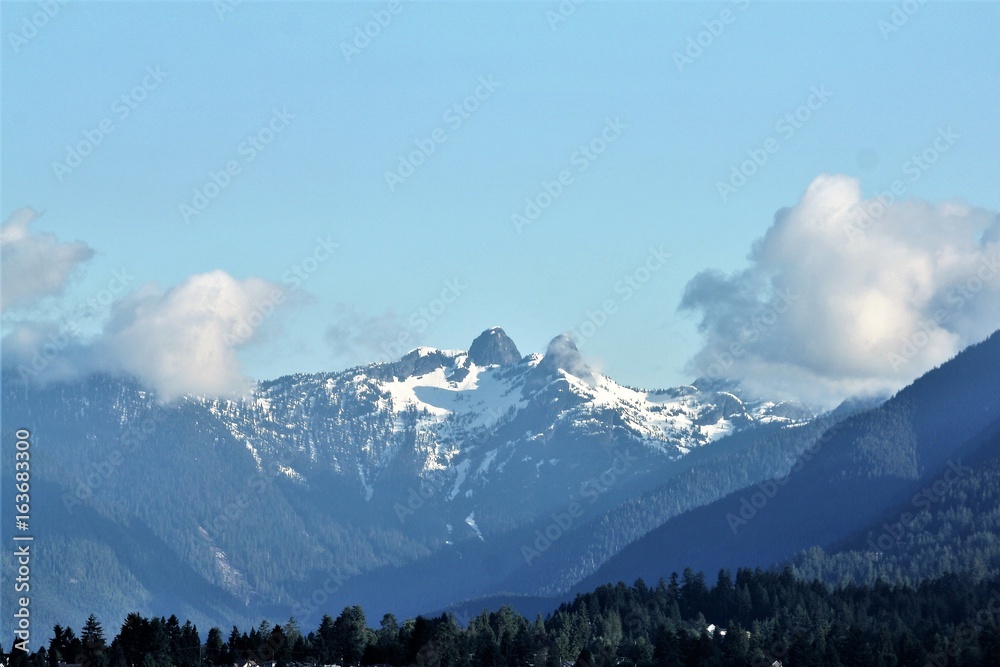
column 753, row 619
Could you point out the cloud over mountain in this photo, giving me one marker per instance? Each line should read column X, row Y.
column 845, row 295
column 35, row 265
column 176, row 341
column 185, row 339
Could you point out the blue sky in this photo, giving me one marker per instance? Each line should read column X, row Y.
column 325, row 117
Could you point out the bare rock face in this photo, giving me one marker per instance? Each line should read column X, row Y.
column 493, row 346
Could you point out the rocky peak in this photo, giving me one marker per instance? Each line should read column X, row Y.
column 493, row 346
column 562, row 353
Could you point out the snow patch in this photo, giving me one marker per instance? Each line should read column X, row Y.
column 461, row 471
column 369, row 489
column 471, row 520
column 484, row 467
column 291, row 473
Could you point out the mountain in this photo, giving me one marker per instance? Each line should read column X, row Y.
column 493, row 347
column 403, row 486
column 863, row 471
column 951, row 523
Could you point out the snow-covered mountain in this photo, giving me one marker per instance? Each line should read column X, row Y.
column 466, row 423
column 374, row 477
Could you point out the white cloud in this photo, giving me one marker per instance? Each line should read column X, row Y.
column 845, row 296
column 359, row 339
column 34, row 265
column 44, row 350
column 178, row 341
column 184, row 340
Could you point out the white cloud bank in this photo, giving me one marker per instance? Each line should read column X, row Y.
column 184, row 340
column 845, row 296
column 355, row 338
column 178, row 341
column 34, row 265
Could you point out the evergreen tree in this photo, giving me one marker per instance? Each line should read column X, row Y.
column 214, row 648
column 92, row 638
column 389, row 649
column 350, row 632
column 326, row 641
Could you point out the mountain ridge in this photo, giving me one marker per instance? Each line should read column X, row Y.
column 863, row 465
column 415, row 463
column 417, row 484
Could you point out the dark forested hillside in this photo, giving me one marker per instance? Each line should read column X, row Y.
column 950, row 524
column 752, row 619
column 859, row 470
column 339, row 486
column 412, row 484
